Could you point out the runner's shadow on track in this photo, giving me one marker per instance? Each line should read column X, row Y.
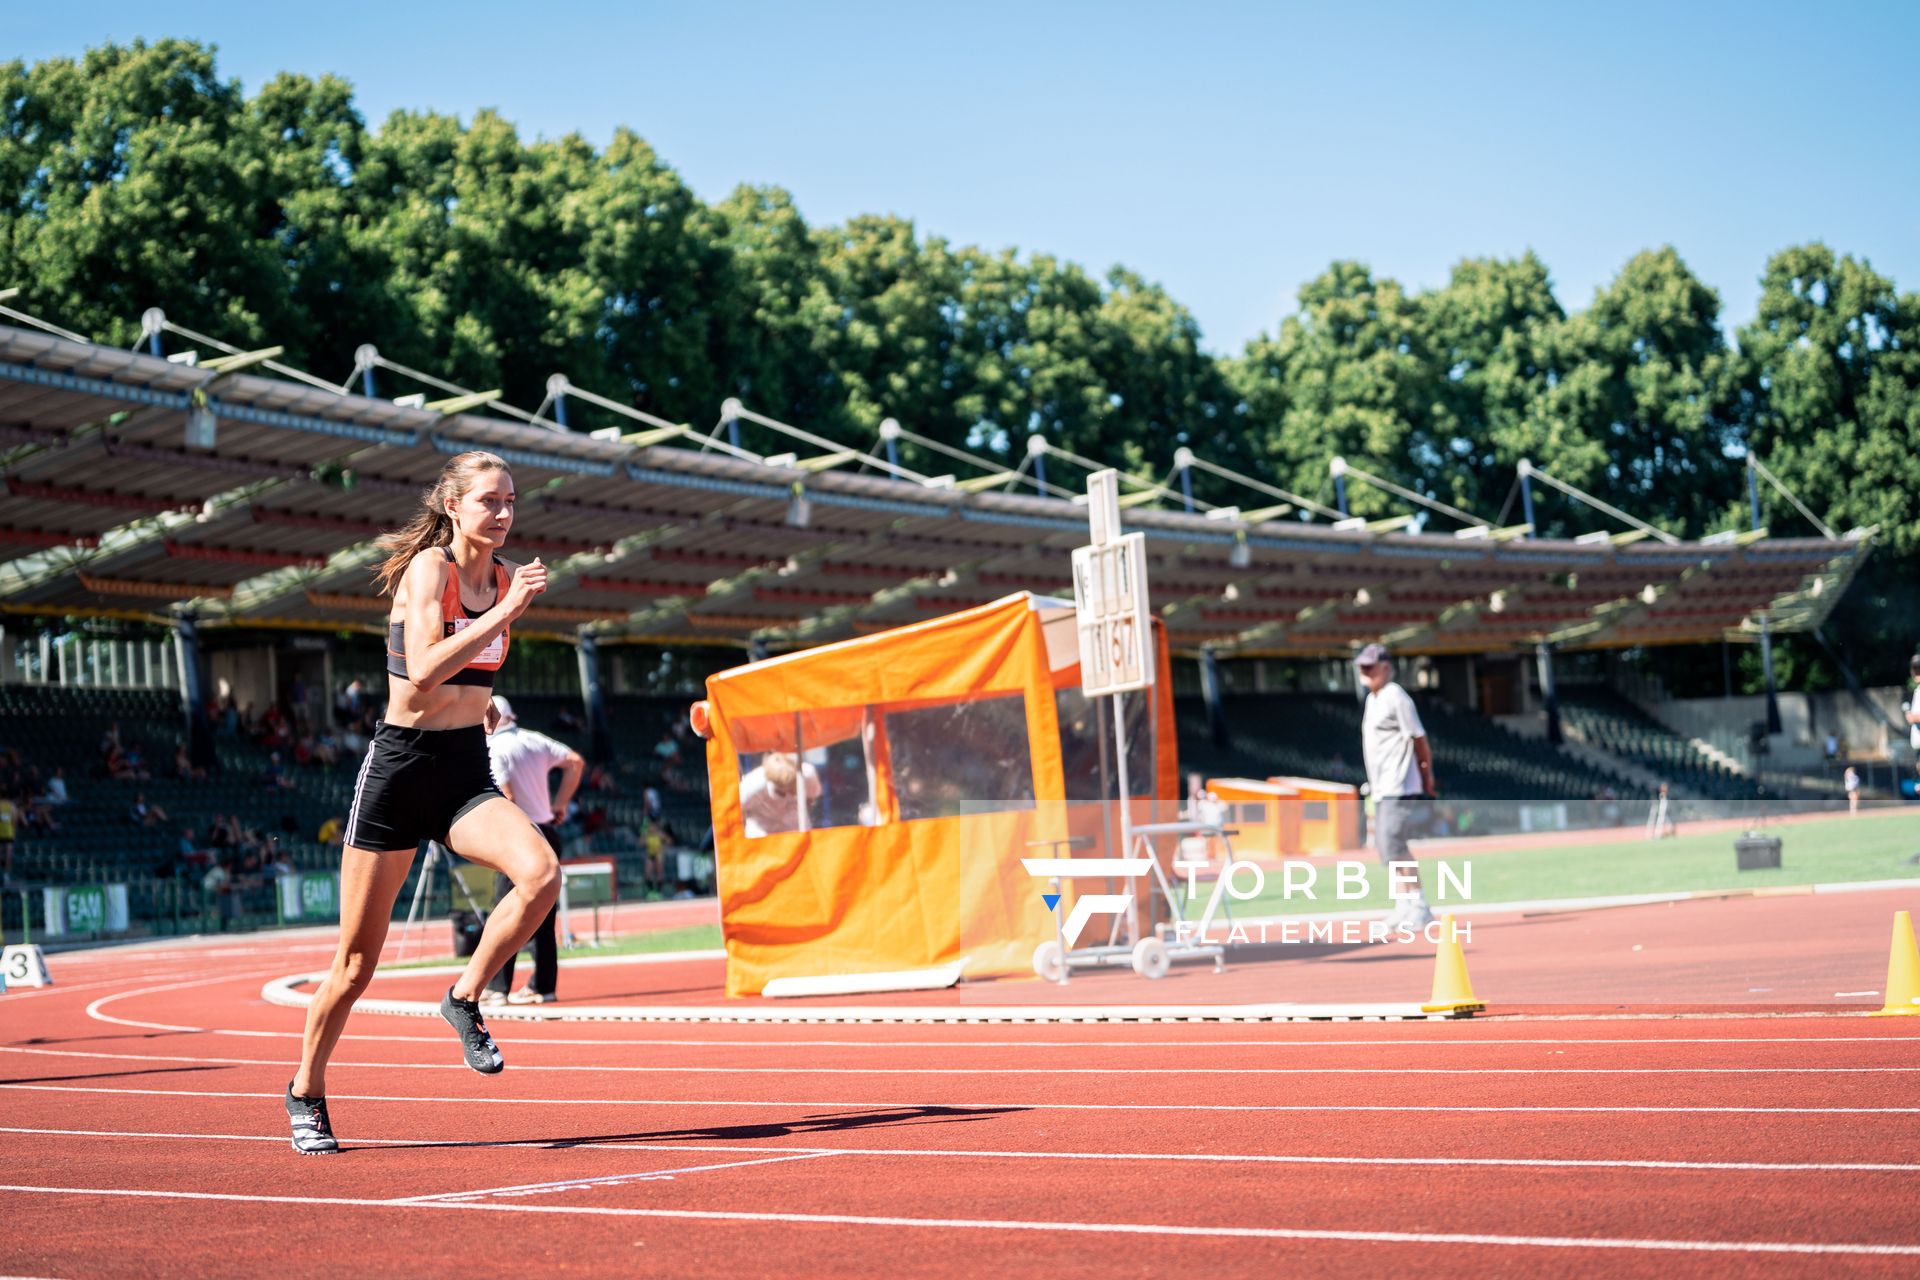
column 836, row 1122
column 123, row 1035
column 112, row 1075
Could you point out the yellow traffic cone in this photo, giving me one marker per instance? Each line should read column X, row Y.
column 1452, row 989
column 1903, row 970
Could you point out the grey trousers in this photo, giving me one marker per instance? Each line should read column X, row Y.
column 1395, row 820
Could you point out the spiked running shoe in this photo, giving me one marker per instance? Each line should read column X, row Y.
column 312, row 1132
column 475, row 1041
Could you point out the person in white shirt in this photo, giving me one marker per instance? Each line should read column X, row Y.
column 1912, row 708
column 1852, row 780
column 768, row 794
column 1399, row 773
column 523, row 762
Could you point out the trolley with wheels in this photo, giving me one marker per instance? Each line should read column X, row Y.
column 1148, row 955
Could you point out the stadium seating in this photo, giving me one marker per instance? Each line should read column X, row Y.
column 1317, row 735
column 1611, row 722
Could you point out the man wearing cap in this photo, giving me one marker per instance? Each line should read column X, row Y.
column 522, row 762
column 1399, row 773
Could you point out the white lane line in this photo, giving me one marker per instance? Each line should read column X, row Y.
column 612, row 1179
column 28, row 993
column 94, row 1009
column 688, row 1069
column 946, row 1153
column 1017, row 1224
column 946, row 1106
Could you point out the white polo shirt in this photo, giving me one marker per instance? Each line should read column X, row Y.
column 522, row 759
column 1387, row 730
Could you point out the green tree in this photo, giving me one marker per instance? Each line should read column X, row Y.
column 137, row 177
column 1646, row 379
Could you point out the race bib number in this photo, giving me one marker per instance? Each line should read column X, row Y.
column 496, row 649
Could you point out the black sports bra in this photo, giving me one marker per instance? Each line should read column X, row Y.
column 455, row 618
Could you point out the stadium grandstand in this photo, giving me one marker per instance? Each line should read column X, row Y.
column 188, row 528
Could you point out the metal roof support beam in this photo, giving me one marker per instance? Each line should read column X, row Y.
column 1755, row 465
column 1341, row 467
column 1188, row 458
column 733, row 411
column 1528, row 470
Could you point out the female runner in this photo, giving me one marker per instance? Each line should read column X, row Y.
column 426, row 774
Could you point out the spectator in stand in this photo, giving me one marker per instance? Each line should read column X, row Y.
column 56, row 794
column 297, row 694
column 7, row 815
column 1852, row 780
column 230, row 719
column 184, row 768
column 217, row 885
column 351, row 705
column 143, row 814
column 598, row 779
column 656, row 866
column 331, row 831
column 326, row 749
column 275, row 774
column 1832, row 746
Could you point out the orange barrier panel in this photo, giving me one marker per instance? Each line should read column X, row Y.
column 1329, row 814
column 1266, row 815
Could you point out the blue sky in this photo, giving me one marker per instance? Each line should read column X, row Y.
column 1228, row 151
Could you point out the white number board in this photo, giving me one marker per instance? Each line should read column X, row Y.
column 1110, row 598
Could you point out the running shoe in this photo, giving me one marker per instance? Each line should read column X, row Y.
column 527, row 995
column 489, row 998
column 312, row 1131
column 475, row 1041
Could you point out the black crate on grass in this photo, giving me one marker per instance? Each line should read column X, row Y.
column 1756, row 852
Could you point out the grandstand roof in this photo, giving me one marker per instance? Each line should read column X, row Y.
column 108, row 509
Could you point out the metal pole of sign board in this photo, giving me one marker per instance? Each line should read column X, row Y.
column 1110, row 607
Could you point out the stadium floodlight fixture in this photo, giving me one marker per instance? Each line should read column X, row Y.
column 730, row 409
column 190, row 359
column 1351, row 524
column 1473, row 531
column 783, row 460
column 1224, row 513
column 1596, row 537
column 889, row 428
column 1182, row 458
column 418, row 400
column 1036, row 445
column 1337, row 465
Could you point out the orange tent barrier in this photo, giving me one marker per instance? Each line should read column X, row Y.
column 872, row 799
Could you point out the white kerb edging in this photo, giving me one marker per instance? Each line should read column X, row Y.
column 287, row 993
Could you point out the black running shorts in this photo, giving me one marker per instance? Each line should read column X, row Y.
column 416, row 783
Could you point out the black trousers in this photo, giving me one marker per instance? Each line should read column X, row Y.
column 546, row 946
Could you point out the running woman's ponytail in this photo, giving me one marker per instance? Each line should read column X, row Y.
column 431, row 526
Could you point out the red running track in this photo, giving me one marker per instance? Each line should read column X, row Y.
column 139, row 1112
